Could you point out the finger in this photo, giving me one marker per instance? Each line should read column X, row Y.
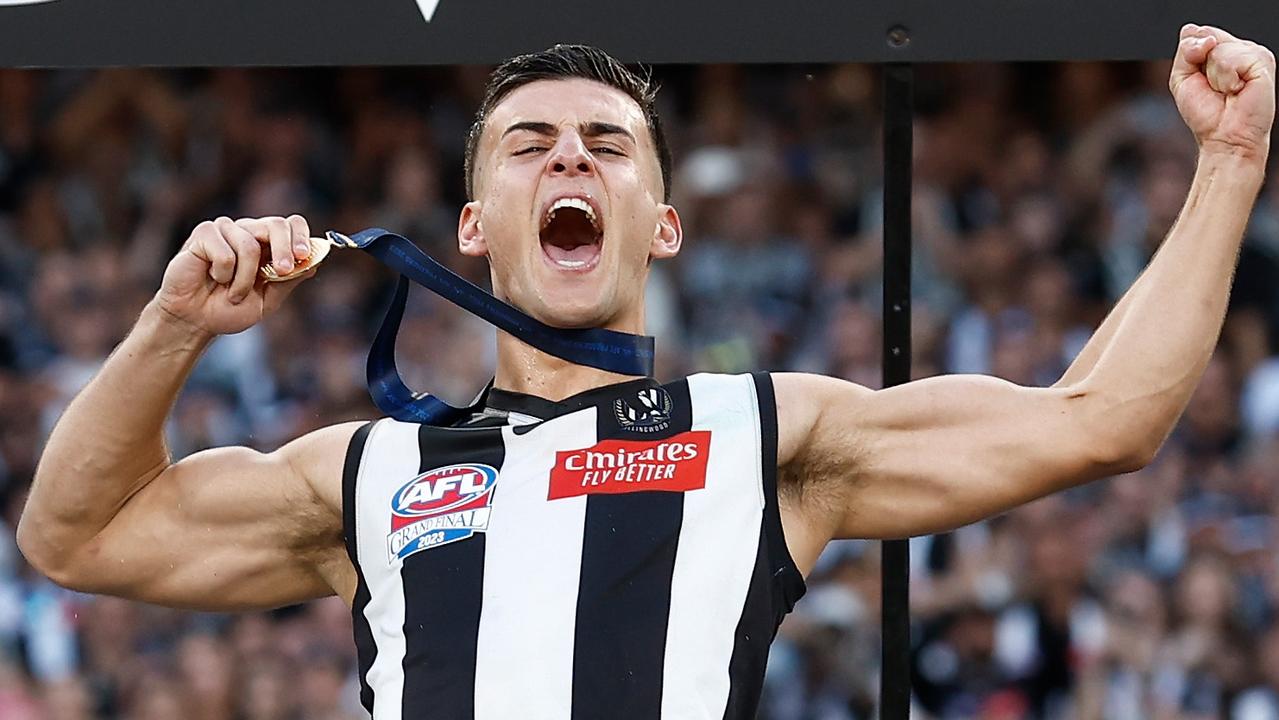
column 1231, row 66
column 271, row 232
column 248, row 257
column 1199, row 49
column 1192, row 53
column 256, row 227
column 1221, row 36
column 301, row 237
column 281, row 244
column 208, row 244
column 1255, row 51
column 1252, row 60
column 1226, row 67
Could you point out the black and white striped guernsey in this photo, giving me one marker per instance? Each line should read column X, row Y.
column 615, row 555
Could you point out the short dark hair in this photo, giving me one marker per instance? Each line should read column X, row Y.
column 562, row 62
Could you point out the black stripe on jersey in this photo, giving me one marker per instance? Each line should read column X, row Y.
column 755, row 630
column 443, row 588
column 776, row 583
column 788, row 581
column 364, row 643
column 624, row 596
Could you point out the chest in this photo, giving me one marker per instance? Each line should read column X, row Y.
column 558, row 490
column 580, row 561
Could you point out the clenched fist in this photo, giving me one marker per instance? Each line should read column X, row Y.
column 213, row 283
column 1225, row 90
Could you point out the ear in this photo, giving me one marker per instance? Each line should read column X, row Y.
column 668, row 235
column 470, row 236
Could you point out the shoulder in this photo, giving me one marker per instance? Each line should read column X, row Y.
column 318, row 461
column 319, row 458
column 727, row 396
column 722, row 382
column 798, row 404
column 802, row 400
column 818, row 440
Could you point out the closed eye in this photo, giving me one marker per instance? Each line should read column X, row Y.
column 608, row 151
column 530, row 149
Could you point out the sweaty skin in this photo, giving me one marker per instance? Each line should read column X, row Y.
column 232, row 528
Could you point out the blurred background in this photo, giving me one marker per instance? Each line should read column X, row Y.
column 1041, row 192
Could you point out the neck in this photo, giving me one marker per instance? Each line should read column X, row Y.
column 523, row 368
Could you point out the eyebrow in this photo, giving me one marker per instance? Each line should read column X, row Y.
column 591, row 129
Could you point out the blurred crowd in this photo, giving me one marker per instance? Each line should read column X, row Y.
column 1041, row 191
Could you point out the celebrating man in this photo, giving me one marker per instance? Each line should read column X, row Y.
column 587, row 544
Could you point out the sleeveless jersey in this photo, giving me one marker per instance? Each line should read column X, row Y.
column 615, row 555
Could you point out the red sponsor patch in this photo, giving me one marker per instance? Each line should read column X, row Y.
column 676, row 464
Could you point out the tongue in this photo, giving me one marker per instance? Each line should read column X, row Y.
column 570, row 237
column 577, row 254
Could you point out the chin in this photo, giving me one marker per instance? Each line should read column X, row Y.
column 569, row 307
column 574, row 314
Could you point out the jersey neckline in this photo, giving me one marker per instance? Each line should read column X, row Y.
column 539, row 407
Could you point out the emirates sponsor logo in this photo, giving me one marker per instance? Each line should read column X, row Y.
column 676, row 464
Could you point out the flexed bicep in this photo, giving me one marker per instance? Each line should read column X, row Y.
column 109, row 512
column 934, row 454
column 225, row 529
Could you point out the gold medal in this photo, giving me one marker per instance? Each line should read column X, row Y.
column 320, row 247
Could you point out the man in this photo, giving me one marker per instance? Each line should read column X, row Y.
column 592, row 545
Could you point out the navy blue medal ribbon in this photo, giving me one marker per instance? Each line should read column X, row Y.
column 617, row 352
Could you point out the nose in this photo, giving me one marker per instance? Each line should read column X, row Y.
column 570, row 157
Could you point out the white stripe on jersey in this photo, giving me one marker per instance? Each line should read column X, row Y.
column 391, row 456
column 718, row 542
column 532, row 566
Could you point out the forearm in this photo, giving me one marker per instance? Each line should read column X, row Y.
column 110, row 440
column 1087, row 358
column 1166, row 328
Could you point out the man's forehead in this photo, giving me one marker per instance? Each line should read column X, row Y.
column 573, row 101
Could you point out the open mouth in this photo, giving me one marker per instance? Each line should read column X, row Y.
column 571, row 234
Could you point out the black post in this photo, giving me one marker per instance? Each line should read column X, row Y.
column 894, row 686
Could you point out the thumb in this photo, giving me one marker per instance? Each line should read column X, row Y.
column 1192, row 53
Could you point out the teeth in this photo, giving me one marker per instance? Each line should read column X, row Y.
column 571, row 263
column 576, row 204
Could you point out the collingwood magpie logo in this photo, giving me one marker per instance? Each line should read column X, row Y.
column 647, row 411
